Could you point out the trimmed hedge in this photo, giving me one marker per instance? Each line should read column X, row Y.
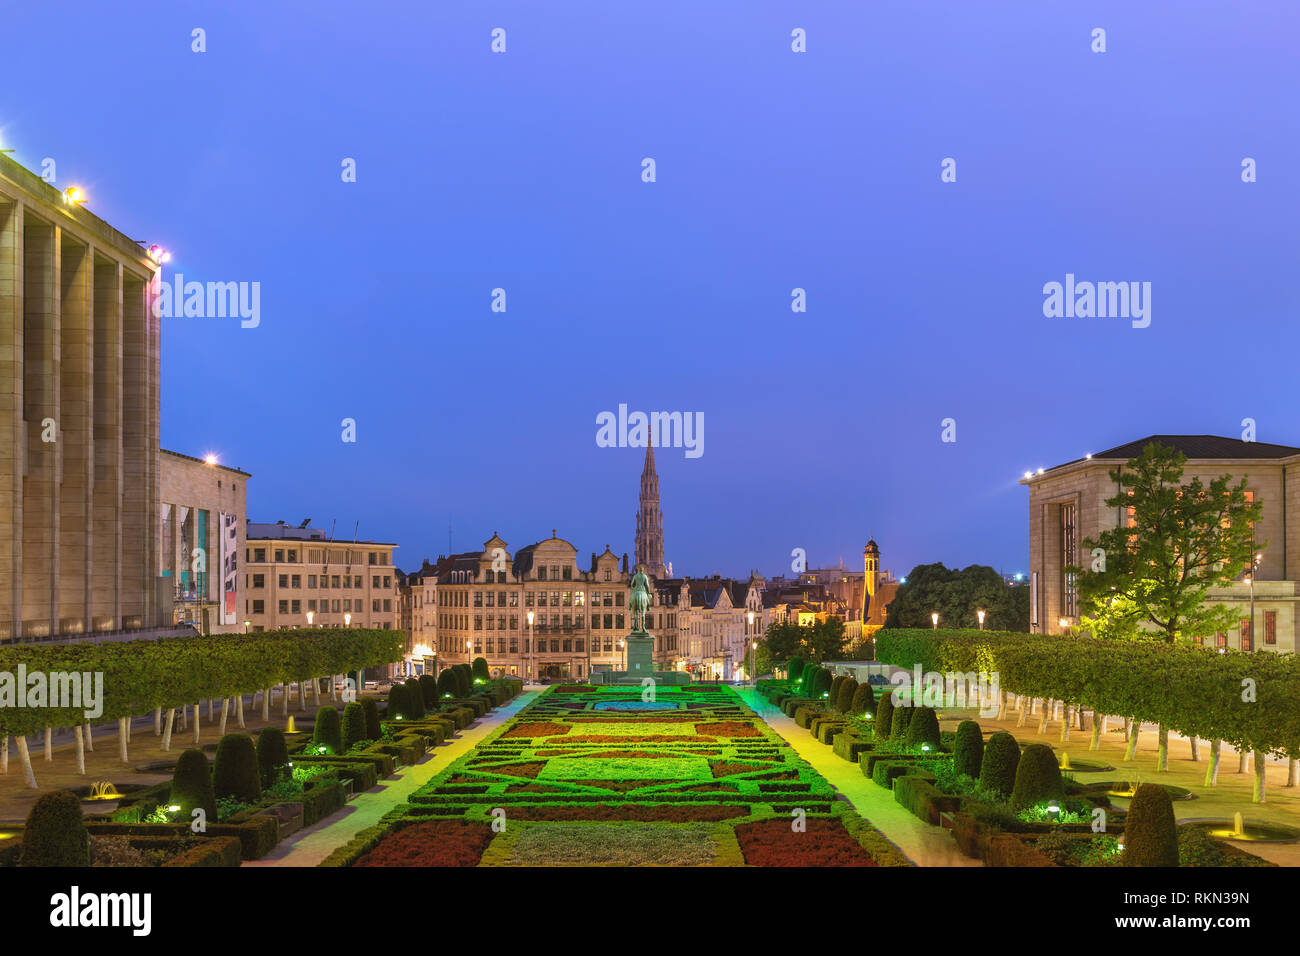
column 192, row 785
column 414, row 699
column 272, row 753
column 883, row 724
column 923, row 728
column 328, row 732
column 55, row 834
column 1150, row 831
column 844, row 696
column 864, row 699
column 1038, row 778
column 479, row 670
column 795, row 668
column 429, row 688
column 968, row 749
column 837, row 681
column 1000, row 762
column 373, row 729
column 235, row 772
column 898, row 724
column 354, row 725
column 448, row 686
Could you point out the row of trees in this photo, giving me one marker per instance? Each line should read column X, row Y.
column 956, row 596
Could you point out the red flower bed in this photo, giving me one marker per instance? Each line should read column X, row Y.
column 662, row 718
column 728, row 728
column 440, row 843
column 825, row 843
column 537, row 729
column 725, row 768
column 641, row 813
column 640, row 739
column 530, row 769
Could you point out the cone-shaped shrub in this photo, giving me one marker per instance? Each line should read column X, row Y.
column 235, row 773
column 371, row 707
column 821, row 684
column 923, row 728
column 272, row 754
column 464, row 679
column 479, row 672
column 414, row 700
column 1150, row 833
column 844, row 697
column 1001, row 760
column 864, row 700
column 354, row 725
column 968, row 748
column 429, row 689
column 795, row 668
column 397, row 707
column 898, row 726
column 836, row 683
column 328, row 733
column 1038, row 778
column 448, row 686
column 883, row 725
column 56, row 832
column 192, row 785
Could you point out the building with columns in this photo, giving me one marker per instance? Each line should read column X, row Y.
column 1067, row 504
column 79, row 415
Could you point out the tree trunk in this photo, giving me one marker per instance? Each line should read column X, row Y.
column 1098, row 726
column 266, row 704
column 81, row 749
column 1196, row 748
column 1002, row 706
column 196, row 725
column 4, row 755
column 157, row 721
column 284, row 699
column 1292, row 772
column 1212, row 771
column 1024, row 712
column 26, row 759
column 225, row 712
column 1042, row 721
column 239, row 711
column 1065, row 724
column 1243, row 760
column 1261, row 765
column 302, row 695
column 1128, row 727
column 185, row 714
column 122, row 739
column 167, row 728
column 209, row 710
column 1132, row 740
column 334, row 689
column 90, row 738
column 1162, row 752
column 49, row 744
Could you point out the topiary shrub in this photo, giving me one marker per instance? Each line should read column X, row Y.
column 328, row 733
column 884, row 722
column 795, row 669
column 968, row 749
column 354, row 725
column 429, row 689
column 397, row 707
column 844, row 696
column 923, row 728
column 448, row 686
column 272, row 754
column 898, row 726
column 464, row 679
column 479, row 671
column 1001, row 760
column 864, row 700
column 1150, row 832
column 820, row 684
column 235, row 772
column 1038, row 778
column 414, row 700
column 56, row 832
column 836, row 683
column 371, row 707
column 192, row 785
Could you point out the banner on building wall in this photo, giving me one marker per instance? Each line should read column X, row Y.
column 1033, row 598
column 229, row 566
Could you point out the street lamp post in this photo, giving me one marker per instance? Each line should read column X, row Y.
column 980, row 614
column 1251, row 581
column 528, row 667
column 749, row 671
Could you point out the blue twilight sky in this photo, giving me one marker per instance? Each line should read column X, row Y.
column 776, row 170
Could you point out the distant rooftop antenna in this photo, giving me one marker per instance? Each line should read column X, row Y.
column 333, row 522
column 355, row 528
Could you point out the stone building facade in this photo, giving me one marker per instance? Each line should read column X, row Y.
column 79, row 415
column 1067, row 504
column 202, row 543
column 298, row 577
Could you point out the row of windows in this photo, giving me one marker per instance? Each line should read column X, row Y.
column 1247, row 635
column 512, row 622
column 337, row 606
column 315, row 556
column 554, row 572
column 325, row 581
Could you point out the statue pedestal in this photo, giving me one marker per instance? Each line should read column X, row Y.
column 640, row 655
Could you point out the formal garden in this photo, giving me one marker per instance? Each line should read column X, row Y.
column 686, row 776
column 1008, row 802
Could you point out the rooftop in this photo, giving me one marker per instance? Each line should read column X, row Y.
column 1195, row 447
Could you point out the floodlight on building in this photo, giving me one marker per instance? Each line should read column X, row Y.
column 1040, row 471
column 210, row 458
column 934, row 619
column 1088, row 456
column 74, row 196
column 310, row 616
column 1029, row 474
column 347, row 620
column 158, row 254
column 246, row 623
column 980, row 614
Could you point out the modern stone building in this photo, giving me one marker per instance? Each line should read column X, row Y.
column 202, row 529
column 79, row 400
column 299, row 577
column 1067, row 504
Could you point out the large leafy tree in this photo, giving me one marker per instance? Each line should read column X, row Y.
column 821, row 641
column 956, row 596
column 1180, row 540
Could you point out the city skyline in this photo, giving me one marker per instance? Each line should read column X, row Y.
column 925, row 298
